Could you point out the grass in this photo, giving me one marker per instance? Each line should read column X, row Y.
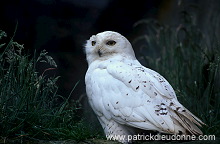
column 30, row 108
column 190, row 60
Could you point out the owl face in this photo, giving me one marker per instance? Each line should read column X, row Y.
column 106, row 45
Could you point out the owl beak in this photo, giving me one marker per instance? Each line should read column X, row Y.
column 99, row 52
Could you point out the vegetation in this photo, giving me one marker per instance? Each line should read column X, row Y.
column 30, row 108
column 190, row 60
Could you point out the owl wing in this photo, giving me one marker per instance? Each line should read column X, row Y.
column 142, row 98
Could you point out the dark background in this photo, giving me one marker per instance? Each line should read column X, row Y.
column 63, row 26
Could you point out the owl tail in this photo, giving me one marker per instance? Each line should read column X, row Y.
column 185, row 122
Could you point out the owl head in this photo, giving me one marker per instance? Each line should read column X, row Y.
column 106, row 45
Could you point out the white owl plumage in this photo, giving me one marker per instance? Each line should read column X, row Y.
column 127, row 96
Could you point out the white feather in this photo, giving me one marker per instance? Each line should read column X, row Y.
column 125, row 94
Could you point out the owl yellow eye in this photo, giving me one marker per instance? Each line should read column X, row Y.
column 93, row 43
column 111, row 42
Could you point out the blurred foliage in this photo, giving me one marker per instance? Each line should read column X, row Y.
column 30, row 108
column 190, row 60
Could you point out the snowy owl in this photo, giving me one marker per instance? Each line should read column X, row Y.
column 126, row 96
